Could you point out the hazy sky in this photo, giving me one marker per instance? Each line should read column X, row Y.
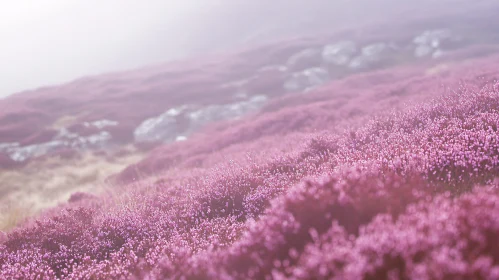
column 49, row 42
column 44, row 42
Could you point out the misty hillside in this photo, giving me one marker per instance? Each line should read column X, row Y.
column 291, row 140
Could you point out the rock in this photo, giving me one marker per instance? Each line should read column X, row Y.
column 431, row 43
column 423, row 50
column 212, row 113
column 100, row 124
column 5, row 147
column 161, row 128
column 21, row 154
column 340, row 53
column 63, row 140
column 99, row 140
column 316, row 76
column 433, row 38
column 95, row 140
column 374, row 50
column 306, row 79
column 306, row 58
column 166, row 127
column 370, row 55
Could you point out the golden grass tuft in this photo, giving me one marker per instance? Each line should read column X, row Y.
column 46, row 183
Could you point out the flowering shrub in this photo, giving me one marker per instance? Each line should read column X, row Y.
column 330, row 189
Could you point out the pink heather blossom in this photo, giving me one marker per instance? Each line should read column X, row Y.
column 380, row 175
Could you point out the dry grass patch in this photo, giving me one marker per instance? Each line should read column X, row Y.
column 44, row 184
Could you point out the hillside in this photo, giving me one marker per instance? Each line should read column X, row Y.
column 367, row 153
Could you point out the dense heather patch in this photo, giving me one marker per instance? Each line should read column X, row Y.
column 332, row 157
column 398, row 194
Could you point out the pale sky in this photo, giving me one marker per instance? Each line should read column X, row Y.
column 46, row 42
column 51, row 42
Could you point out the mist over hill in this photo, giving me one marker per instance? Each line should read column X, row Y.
column 250, row 140
column 50, row 42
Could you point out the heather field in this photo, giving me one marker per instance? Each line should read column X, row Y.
column 366, row 153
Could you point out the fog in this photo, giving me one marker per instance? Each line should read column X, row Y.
column 49, row 42
column 46, row 42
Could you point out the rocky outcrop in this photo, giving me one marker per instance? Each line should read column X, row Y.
column 177, row 123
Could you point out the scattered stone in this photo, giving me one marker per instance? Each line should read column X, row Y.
column 64, row 139
column 166, row 128
column 304, row 59
column 100, row 124
column 306, row 79
column 433, row 38
column 21, row 154
column 212, row 113
column 422, row 51
column 180, row 138
column 7, row 146
column 94, row 140
column 370, row 55
column 340, row 53
column 431, row 42
column 161, row 128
